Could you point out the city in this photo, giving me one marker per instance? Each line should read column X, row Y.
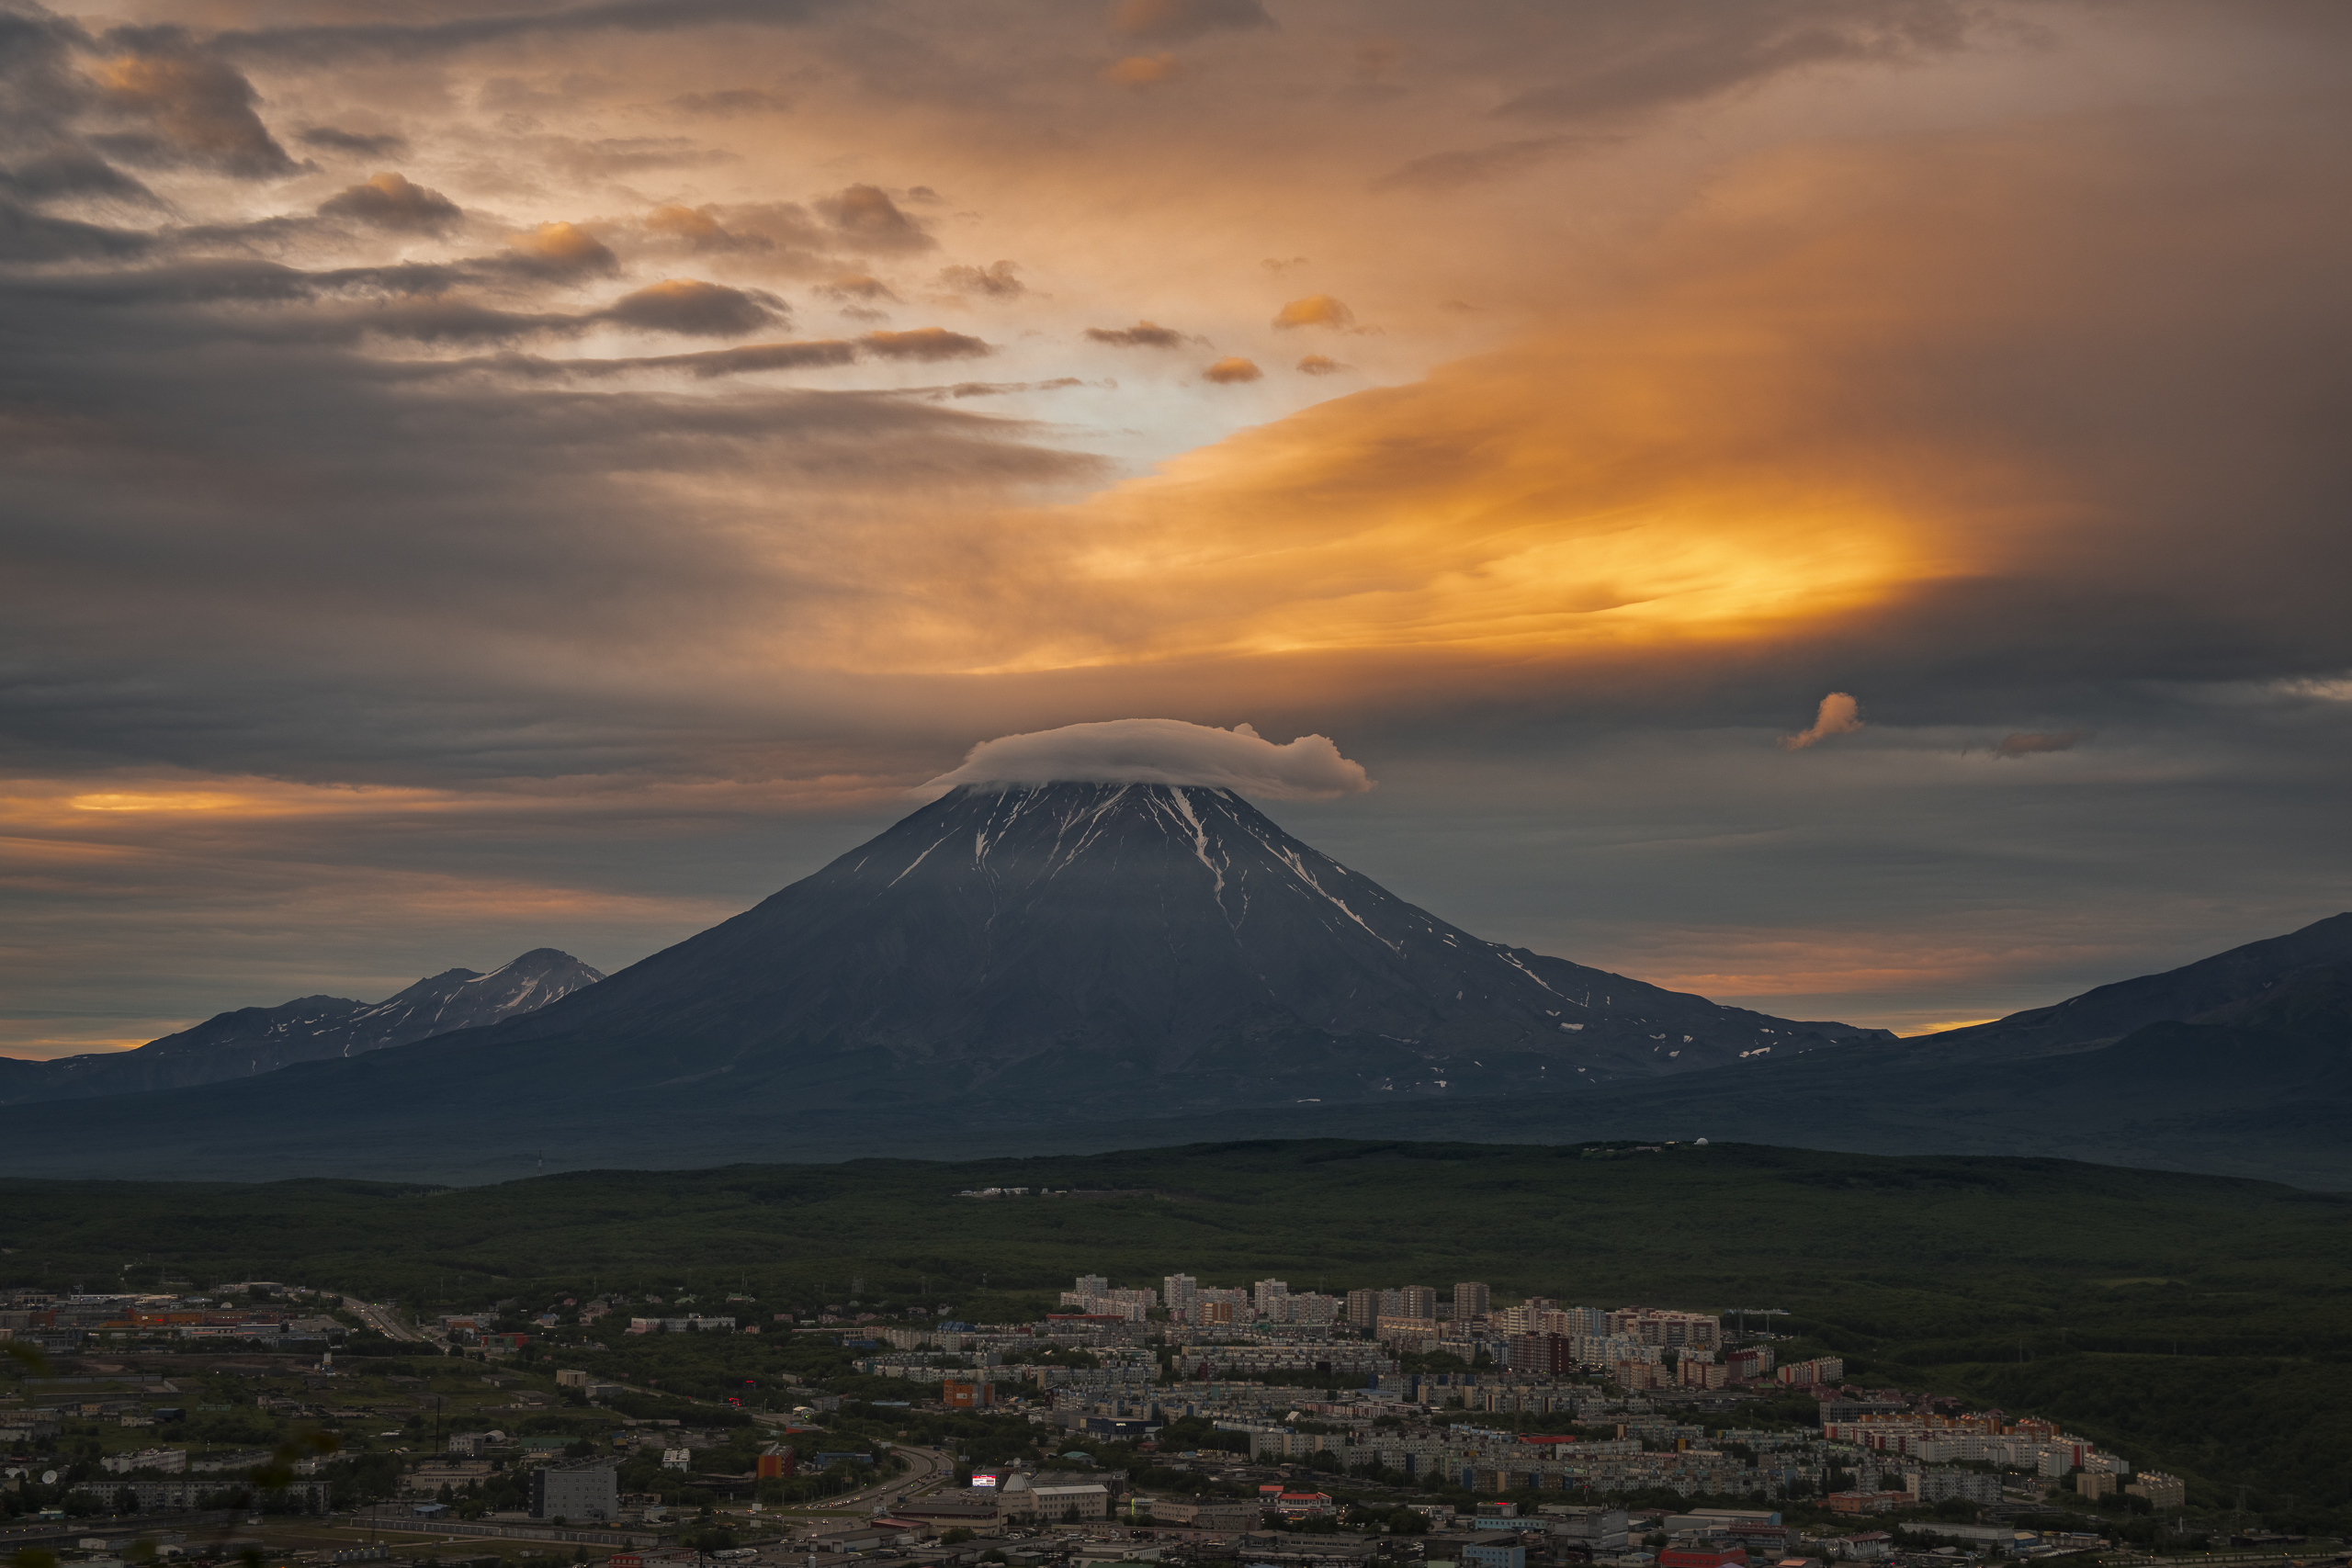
column 1180, row 1422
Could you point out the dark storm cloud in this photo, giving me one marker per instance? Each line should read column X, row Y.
column 391, row 202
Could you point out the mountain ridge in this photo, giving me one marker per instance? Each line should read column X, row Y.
column 250, row 1041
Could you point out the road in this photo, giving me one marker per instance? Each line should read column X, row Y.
column 927, row 1470
column 383, row 1320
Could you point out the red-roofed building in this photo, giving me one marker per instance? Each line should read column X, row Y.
column 1701, row 1557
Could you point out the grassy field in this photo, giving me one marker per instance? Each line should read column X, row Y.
column 2192, row 1322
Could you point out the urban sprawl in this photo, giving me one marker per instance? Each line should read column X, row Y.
column 1255, row 1424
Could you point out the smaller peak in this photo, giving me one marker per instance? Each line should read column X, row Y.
column 539, row 957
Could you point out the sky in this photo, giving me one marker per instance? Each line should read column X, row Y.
column 1839, row 505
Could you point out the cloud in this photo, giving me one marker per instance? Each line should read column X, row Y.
column 391, row 202
column 1840, row 715
column 1634, row 63
column 194, row 109
column 1143, row 334
column 732, row 102
column 850, row 286
column 1476, row 165
column 331, row 138
column 1175, row 21
column 73, row 172
column 29, row 236
column 1321, row 365
column 2033, row 743
column 1232, row 371
column 695, row 308
column 865, row 218
column 748, row 359
column 1162, row 751
column 1314, row 311
column 1142, row 71
column 561, row 250
column 702, row 233
column 996, row 280
column 328, row 44
column 926, row 343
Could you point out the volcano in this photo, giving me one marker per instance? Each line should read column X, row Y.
column 1028, row 962
column 1068, row 945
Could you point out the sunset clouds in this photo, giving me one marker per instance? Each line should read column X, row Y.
column 449, row 407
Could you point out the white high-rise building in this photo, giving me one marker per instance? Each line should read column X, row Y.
column 1272, row 1298
column 1180, row 1292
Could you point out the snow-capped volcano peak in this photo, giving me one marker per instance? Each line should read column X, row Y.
column 1075, row 939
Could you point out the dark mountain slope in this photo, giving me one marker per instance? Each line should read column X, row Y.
column 2260, row 1086
column 2240, row 977
column 1075, row 940
column 251, row 1041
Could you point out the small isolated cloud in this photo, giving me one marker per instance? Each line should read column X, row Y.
column 2032, row 743
column 926, row 343
column 996, row 280
column 1143, row 334
column 560, row 250
column 694, row 309
column 867, row 219
column 1177, row 19
column 392, row 202
column 1231, row 369
column 1314, row 311
column 359, row 144
column 1322, row 365
column 1163, row 751
column 1142, row 70
column 1840, row 715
